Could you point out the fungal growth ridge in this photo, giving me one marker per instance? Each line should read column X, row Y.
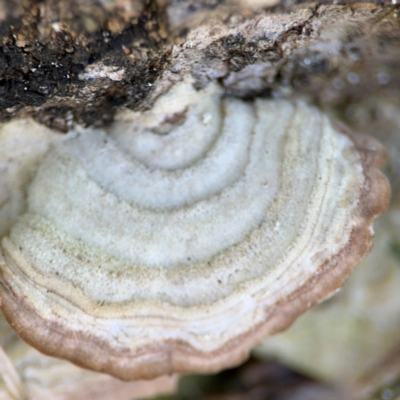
column 176, row 239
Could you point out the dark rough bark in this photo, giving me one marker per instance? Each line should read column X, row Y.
column 78, row 61
column 47, row 47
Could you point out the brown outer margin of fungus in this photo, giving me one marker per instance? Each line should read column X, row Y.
column 176, row 356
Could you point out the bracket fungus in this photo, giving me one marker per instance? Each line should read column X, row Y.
column 177, row 238
column 26, row 374
column 23, row 143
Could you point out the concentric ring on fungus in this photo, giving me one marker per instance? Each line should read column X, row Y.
column 177, row 239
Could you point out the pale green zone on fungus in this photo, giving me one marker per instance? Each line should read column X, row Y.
column 346, row 337
column 178, row 237
column 343, row 338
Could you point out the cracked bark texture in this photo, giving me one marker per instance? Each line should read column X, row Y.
column 78, row 61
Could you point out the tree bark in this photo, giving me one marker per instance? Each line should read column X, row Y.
column 73, row 62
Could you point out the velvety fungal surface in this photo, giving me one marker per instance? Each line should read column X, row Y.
column 177, row 238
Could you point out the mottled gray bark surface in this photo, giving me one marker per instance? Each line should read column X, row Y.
column 79, row 60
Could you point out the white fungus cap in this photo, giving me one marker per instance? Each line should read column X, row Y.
column 175, row 240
